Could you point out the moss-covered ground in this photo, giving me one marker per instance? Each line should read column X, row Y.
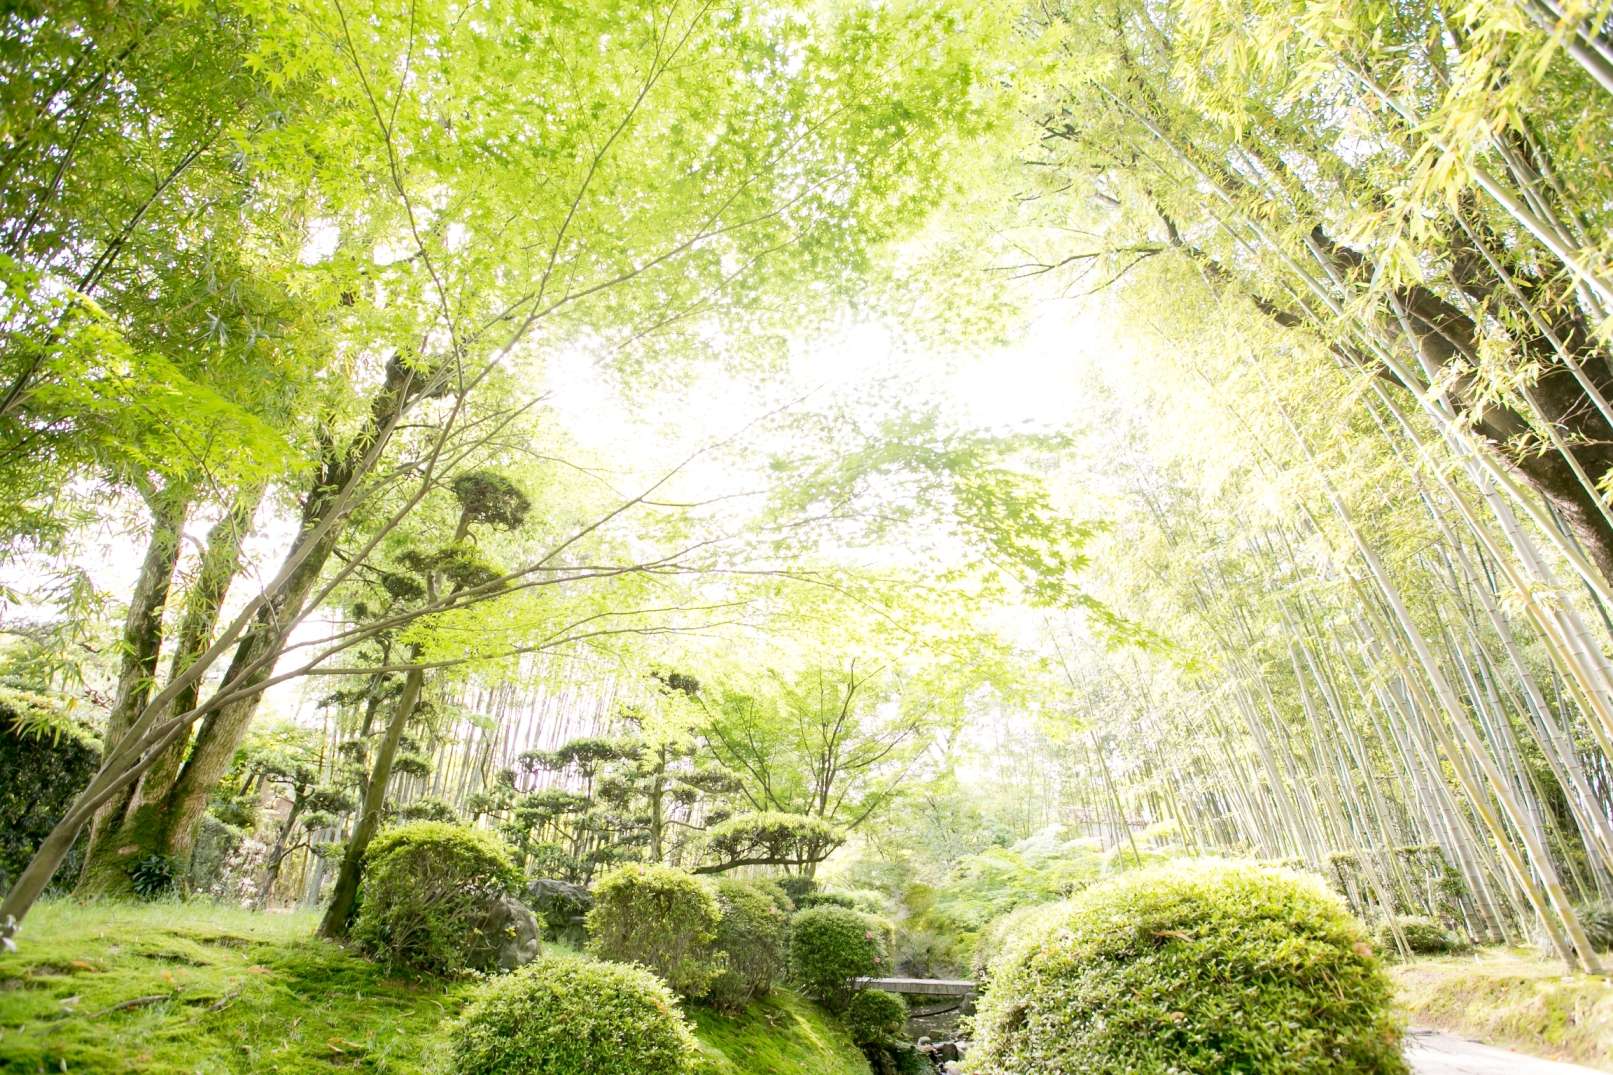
column 1512, row 999
column 781, row 1034
column 197, row 988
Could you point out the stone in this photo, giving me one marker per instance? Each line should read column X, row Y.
column 513, row 931
column 563, row 905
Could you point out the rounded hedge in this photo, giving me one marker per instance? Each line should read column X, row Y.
column 829, row 946
column 752, row 942
column 662, row 918
column 770, row 887
column 875, row 1017
column 826, row 899
column 1205, row 967
column 428, row 889
column 568, row 1015
column 795, row 886
column 1424, row 936
column 1001, row 932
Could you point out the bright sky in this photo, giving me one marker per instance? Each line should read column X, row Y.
column 1037, row 381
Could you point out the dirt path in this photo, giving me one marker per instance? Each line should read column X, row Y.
column 1433, row 1052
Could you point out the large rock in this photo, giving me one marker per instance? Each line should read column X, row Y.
column 513, row 931
column 563, row 906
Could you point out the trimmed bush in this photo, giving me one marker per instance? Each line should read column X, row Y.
column 566, row 1015
column 1205, row 967
column 770, row 887
column 827, row 899
column 46, row 756
column 875, row 1017
column 1000, row 934
column 752, row 940
column 1423, row 936
column 662, row 918
column 428, row 890
column 796, row 886
column 831, row 945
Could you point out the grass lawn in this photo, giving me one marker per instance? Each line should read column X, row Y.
column 1513, row 999
column 197, row 988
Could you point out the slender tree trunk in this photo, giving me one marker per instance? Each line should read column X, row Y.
column 338, row 916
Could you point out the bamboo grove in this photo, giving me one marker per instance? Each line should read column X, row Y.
column 1321, row 572
column 1392, row 216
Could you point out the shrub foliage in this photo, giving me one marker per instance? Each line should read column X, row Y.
column 1212, row 967
column 752, row 943
column 662, row 918
column 1597, row 918
column 875, row 1017
column 46, row 757
column 565, row 1015
column 1424, row 936
column 428, row 886
column 999, row 935
column 831, row 945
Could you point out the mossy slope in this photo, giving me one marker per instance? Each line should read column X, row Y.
column 185, row 988
column 1514, row 1000
column 163, row 989
column 780, row 1034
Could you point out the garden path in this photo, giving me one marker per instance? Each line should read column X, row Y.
column 1434, row 1052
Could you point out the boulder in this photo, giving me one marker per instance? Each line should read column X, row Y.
column 514, row 931
column 563, row 905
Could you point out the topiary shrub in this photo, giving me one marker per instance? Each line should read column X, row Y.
column 566, row 1015
column 428, row 808
column 829, row 946
column 662, row 918
column 796, row 886
column 827, row 899
column 46, row 756
column 429, row 890
column 753, row 941
column 770, row 887
column 875, row 1017
column 1207, row 967
column 1000, row 934
column 1423, row 936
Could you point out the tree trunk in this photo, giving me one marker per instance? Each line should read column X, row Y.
column 277, row 855
column 141, row 646
column 340, row 912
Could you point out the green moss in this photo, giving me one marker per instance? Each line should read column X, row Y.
column 248, row 993
column 781, row 1034
column 242, row 993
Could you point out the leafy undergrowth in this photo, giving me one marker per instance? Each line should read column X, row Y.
column 1512, row 999
column 781, row 1034
column 162, row 989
